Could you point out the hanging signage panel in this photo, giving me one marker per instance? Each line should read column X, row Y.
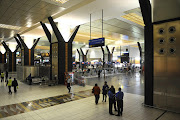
column 96, row 42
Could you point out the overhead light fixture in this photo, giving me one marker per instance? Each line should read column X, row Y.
column 60, row 1
column 56, row 1
column 9, row 27
column 133, row 17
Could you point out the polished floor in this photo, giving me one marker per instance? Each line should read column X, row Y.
column 131, row 82
column 55, row 103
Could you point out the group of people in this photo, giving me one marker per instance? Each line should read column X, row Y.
column 113, row 97
column 9, row 82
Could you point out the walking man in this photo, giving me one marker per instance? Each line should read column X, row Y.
column 119, row 97
column 15, row 85
column 9, row 84
column 104, row 91
column 96, row 90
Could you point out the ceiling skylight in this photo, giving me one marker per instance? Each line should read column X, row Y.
column 9, row 27
column 134, row 18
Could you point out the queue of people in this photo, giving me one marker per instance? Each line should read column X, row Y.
column 115, row 98
column 9, row 82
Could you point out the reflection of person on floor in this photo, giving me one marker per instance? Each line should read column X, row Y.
column 2, row 76
column 114, row 99
column 99, row 73
column 111, row 99
column 15, row 85
column 68, row 82
column 119, row 98
column 104, row 91
column 9, row 84
column 96, row 90
column 6, row 76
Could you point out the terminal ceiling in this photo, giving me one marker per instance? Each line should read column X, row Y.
column 23, row 16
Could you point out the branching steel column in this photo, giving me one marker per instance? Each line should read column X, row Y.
column 48, row 34
column 64, row 63
column 31, row 54
column 24, row 51
column 148, row 40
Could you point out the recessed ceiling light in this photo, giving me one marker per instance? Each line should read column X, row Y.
column 10, row 27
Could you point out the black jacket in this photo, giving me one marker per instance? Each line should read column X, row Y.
column 15, row 83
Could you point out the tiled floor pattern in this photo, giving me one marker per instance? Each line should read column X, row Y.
column 81, row 109
column 85, row 109
column 23, row 107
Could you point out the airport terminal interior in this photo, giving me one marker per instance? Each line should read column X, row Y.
column 57, row 50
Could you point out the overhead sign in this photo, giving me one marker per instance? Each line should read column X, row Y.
column 97, row 42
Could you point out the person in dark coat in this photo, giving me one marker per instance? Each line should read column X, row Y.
column 104, row 91
column 111, row 97
column 15, row 85
column 114, row 99
column 29, row 78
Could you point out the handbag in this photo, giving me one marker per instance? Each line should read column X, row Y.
column 93, row 90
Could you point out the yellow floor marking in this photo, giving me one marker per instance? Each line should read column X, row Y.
column 37, row 105
column 24, row 107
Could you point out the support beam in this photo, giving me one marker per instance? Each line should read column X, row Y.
column 148, row 38
column 64, row 51
column 48, row 35
column 56, row 30
column 140, row 51
column 14, row 59
column 18, row 42
column 79, row 55
column 110, row 55
column 9, row 56
column 0, row 57
column 31, row 52
column 24, row 52
column 22, row 42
